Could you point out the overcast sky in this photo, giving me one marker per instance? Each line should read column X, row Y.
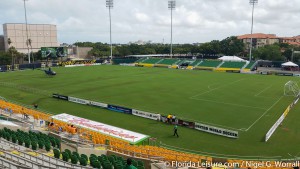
column 132, row 20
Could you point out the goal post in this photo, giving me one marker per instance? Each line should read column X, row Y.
column 291, row 88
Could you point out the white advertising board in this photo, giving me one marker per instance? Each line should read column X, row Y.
column 113, row 131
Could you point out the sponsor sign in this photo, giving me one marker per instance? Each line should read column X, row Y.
column 186, row 123
column 119, row 109
column 87, row 102
column 216, row 130
column 274, row 127
column 146, row 114
column 120, row 133
column 284, row 74
column 58, row 96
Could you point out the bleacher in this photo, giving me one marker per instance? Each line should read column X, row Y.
column 168, row 61
column 140, row 60
column 151, row 61
column 237, row 65
column 210, row 63
column 249, row 66
column 195, row 62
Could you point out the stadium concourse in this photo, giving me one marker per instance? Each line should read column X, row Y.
column 169, row 158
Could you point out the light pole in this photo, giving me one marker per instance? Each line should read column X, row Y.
column 110, row 5
column 26, row 30
column 171, row 6
column 252, row 2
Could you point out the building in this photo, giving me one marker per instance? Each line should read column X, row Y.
column 41, row 35
column 76, row 52
column 260, row 40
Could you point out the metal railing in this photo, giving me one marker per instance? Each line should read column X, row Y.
column 41, row 159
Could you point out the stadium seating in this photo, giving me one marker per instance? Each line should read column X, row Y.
column 210, row 63
column 250, row 65
column 195, row 63
column 168, row 61
column 151, row 61
column 238, row 65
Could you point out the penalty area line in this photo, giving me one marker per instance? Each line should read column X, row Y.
column 263, row 114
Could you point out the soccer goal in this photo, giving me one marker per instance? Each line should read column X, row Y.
column 291, row 88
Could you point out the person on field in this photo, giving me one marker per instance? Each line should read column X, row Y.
column 175, row 131
column 129, row 164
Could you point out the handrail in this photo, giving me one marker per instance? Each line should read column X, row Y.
column 7, row 163
column 23, row 161
column 57, row 162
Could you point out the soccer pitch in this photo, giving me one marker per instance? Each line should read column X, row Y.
column 246, row 103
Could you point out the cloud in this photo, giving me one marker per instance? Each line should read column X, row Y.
column 193, row 20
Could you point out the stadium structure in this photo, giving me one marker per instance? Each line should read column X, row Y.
column 226, row 111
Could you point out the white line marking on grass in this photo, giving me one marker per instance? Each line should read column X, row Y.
column 217, row 88
column 264, row 114
column 263, row 90
column 232, row 104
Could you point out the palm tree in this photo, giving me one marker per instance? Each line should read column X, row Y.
column 12, row 55
column 29, row 43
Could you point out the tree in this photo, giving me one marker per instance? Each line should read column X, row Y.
column 232, row 46
column 269, row 52
column 12, row 56
column 30, row 44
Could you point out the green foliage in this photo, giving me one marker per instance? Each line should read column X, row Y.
column 269, row 52
column 228, row 46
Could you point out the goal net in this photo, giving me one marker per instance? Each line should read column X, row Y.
column 291, row 88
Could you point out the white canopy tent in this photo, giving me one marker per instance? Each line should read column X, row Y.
column 232, row 58
column 289, row 64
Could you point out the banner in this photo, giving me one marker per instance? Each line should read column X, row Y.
column 54, row 52
column 119, row 109
column 98, row 104
column 186, row 123
column 284, row 74
column 216, row 130
column 58, row 96
column 87, row 102
column 274, row 127
column 146, row 114
column 77, row 100
column 106, row 129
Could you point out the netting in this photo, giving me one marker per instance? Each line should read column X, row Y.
column 291, row 88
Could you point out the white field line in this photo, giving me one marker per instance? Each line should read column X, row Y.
column 264, row 114
column 232, row 104
column 263, row 90
column 217, row 88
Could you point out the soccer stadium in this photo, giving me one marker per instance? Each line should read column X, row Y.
column 123, row 106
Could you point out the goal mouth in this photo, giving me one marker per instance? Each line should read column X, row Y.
column 291, row 88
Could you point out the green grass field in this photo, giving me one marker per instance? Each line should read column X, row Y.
column 247, row 103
